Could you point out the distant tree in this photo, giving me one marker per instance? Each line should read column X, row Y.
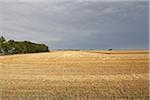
column 109, row 49
column 2, row 39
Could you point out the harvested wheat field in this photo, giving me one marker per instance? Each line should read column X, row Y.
column 75, row 75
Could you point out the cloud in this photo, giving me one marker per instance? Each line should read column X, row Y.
column 81, row 24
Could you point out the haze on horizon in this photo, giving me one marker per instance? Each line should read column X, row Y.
column 77, row 24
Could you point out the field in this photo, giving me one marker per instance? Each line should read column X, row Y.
column 75, row 75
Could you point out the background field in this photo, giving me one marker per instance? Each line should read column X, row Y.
column 75, row 75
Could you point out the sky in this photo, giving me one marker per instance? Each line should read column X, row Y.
column 77, row 24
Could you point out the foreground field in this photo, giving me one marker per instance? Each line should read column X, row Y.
column 75, row 75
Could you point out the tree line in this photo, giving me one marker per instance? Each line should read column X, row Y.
column 17, row 47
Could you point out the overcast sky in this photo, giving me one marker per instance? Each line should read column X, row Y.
column 77, row 24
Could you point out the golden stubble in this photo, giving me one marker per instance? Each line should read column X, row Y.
column 75, row 75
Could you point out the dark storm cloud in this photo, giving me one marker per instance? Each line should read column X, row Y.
column 82, row 24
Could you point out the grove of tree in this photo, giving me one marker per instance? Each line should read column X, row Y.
column 16, row 47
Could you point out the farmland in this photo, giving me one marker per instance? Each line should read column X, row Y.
column 75, row 75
